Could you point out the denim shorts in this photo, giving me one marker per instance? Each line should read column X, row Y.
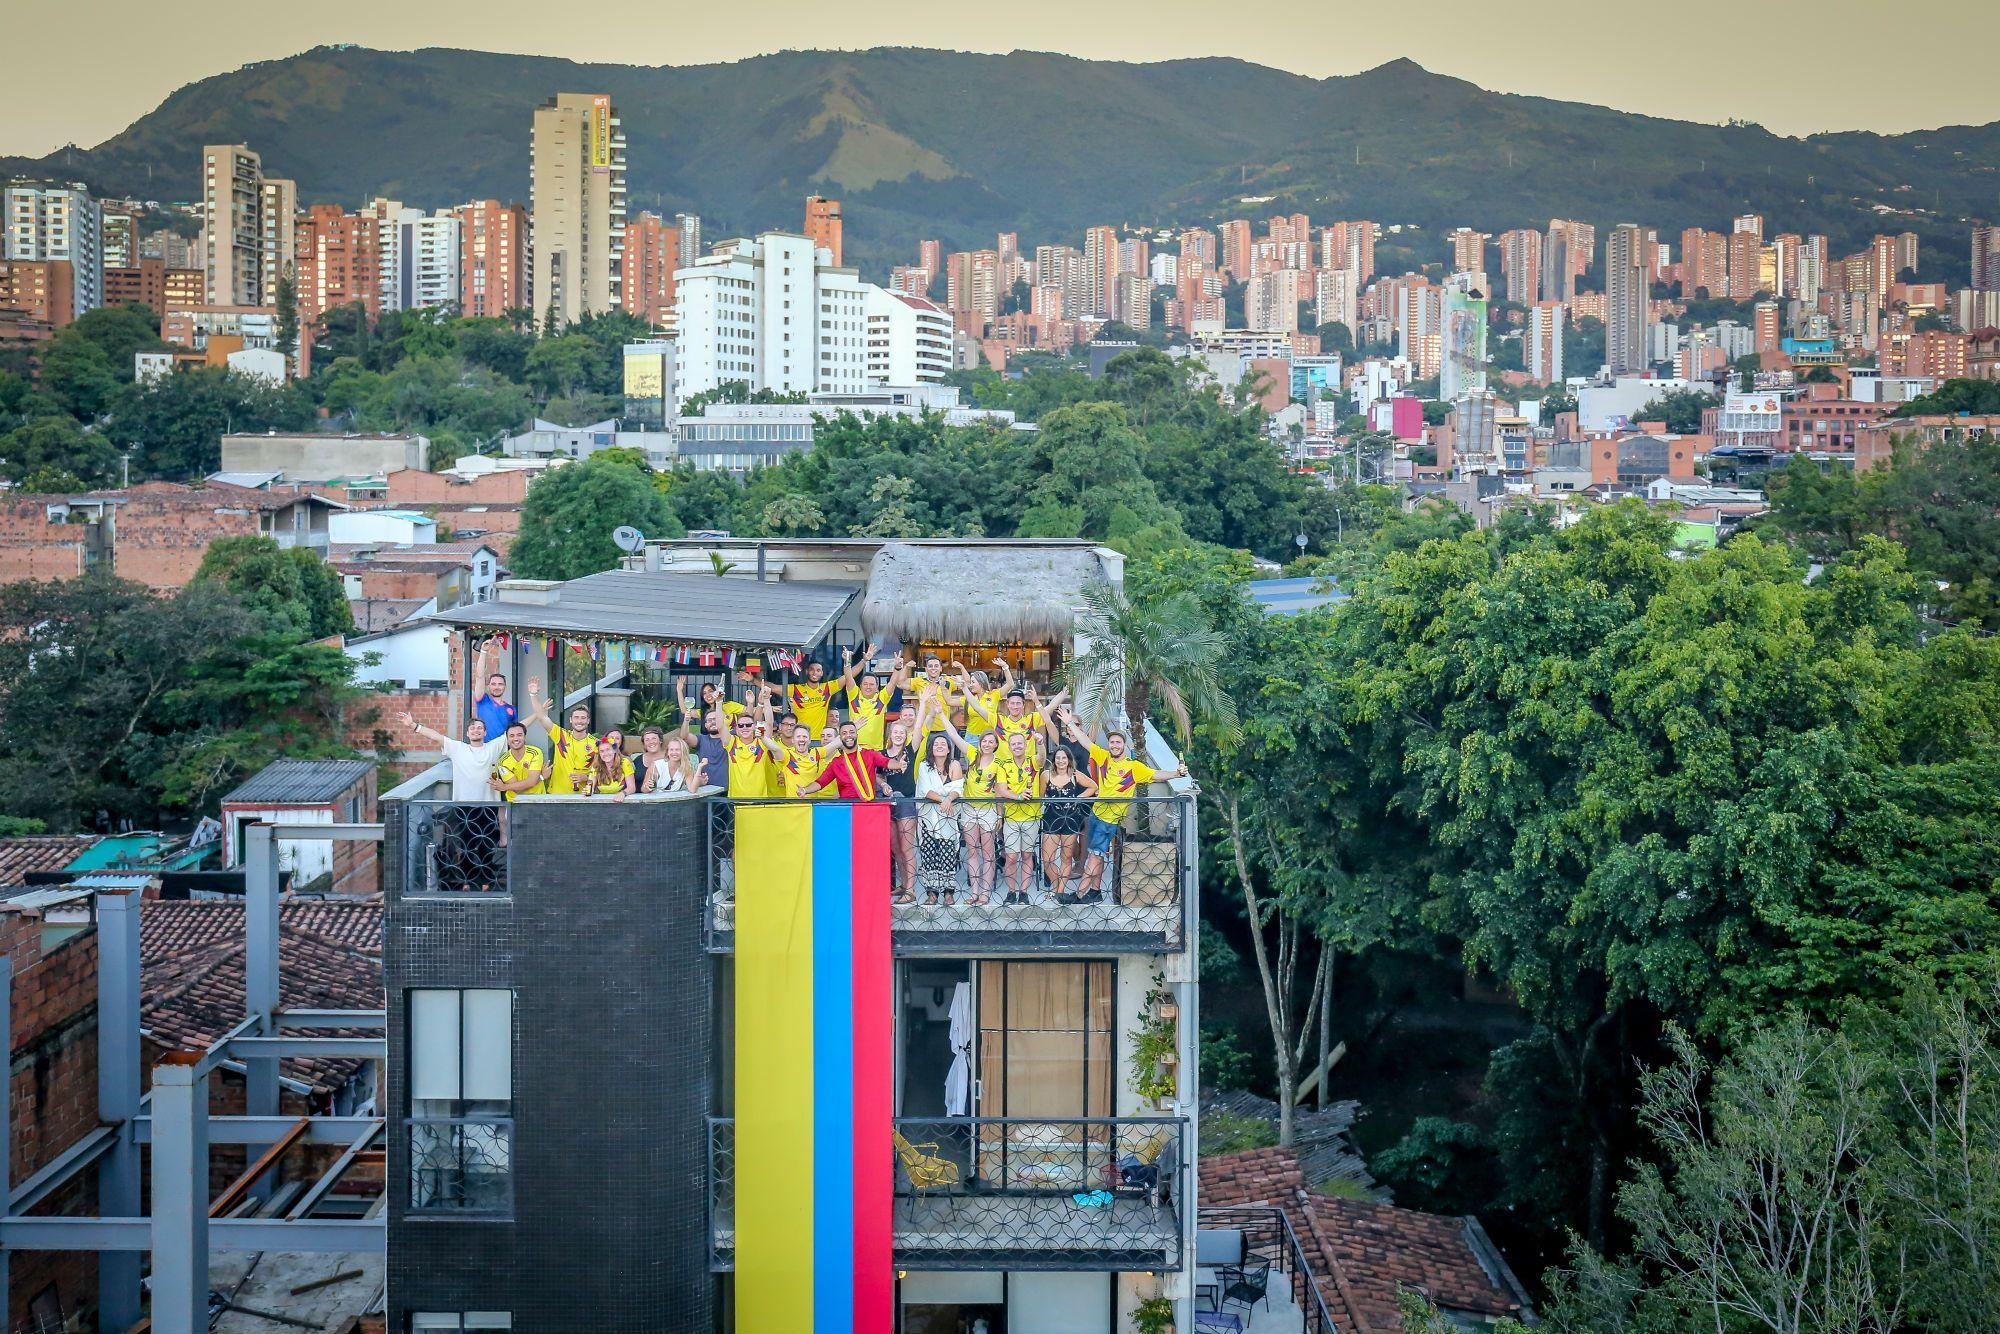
column 903, row 808
column 1100, row 836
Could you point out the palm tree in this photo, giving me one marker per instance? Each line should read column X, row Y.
column 1163, row 653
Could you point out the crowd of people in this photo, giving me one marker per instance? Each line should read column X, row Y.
column 994, row 790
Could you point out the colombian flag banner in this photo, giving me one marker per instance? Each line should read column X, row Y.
column 814, row 1018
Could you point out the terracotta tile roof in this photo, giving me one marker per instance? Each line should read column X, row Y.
column 1362, row 1252
column 191, row 954
column 38, row 852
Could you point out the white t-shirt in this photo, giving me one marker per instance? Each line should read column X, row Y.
column 472, row 768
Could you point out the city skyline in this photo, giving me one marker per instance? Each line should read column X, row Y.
column 142, row 58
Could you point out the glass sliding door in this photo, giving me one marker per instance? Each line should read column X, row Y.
column 1045, row 1063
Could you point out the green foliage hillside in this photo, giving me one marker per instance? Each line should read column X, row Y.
column 911, row 141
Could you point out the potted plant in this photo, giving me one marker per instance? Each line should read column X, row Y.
column 1155, row 1315
column 1156, row 1047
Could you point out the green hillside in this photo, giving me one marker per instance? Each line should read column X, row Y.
column 955, row 145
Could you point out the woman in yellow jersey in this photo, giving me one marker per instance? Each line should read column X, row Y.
column 979, row 814
column 610, row 773
column 982, row 698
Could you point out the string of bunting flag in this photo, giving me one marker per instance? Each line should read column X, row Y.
column 721, row 657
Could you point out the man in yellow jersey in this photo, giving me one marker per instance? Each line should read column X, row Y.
column 1118, row 774
column 811, row 698
column 570, row 752
column 867, row 702
column 1015, row 776
column 1024, row 714
column 522, row 771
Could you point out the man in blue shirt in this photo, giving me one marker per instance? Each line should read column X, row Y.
column 492, row 707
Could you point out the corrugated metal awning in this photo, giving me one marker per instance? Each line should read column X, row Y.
column 648, row 607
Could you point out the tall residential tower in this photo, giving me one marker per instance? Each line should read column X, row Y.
column 577, row 206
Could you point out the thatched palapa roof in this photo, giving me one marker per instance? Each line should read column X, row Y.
column 977, row 593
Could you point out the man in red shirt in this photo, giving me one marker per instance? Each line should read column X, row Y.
column 852, row 770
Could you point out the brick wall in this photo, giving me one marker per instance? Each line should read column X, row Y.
column 160, row 542
column 411, row 487
column 33, row 548
column 379, row 582
column 52, row 1088
column 432, row 708
column 357, row 865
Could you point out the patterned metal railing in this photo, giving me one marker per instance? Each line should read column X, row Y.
column 461, row 1164
column 454, row 847
column 1268, row 1236
column 976, row 881
column 1014, row 1193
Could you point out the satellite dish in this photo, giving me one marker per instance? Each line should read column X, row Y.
column 628, row 538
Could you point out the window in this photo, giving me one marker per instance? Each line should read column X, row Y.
column 461, row 1080
column 459, row 1322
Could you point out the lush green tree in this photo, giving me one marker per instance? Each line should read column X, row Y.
column 1679, row 409
column 794, row 515
column 1977, row 397
column 1158, row 661
column 561, row 366
column 1815, row 1178
column 143, row 708
column 567, row 521
column 300, row 594
column 80, row 376
column 50, row 449
column 175, row 424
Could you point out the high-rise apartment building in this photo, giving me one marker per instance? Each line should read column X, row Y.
column 1521, row 264
column 1906, row 253
column 339, row 263
column 493, row 260
column 232, row 226
column 930, row 255
column 1271, row 302
column 120, row 245
column 1198, row 243
column 1544, row 342
column 911, row 280
column 690, row 225
column 652, row 254
column 1468, row 249
column 1066, row 269
column 764, row 312
column 1985, row 259
column 277, row 224
column 49, row 223
column 1625, row 294
column 1132, row 300
column 823, row 225
column 1337, row 298
column 1748, row 224
column 1101, row 257
column 1746, row 264
column 576, row 206
column 42, row 290
column 1236, row 239
column 1558, row 262
column 1357, row 239
column 417, row 256
column 1765, row 326
column 1704, row 263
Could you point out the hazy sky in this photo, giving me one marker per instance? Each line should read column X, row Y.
column 80, row 70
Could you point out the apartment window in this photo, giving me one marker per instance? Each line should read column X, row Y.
column 461, row 1081
column 459, row 1322
column 1045, row 1039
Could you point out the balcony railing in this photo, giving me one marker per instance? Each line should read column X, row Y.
column 981, row 888
column 980, row 1193
column 454, row 847
column 461, row 1164
column 1268, row 1236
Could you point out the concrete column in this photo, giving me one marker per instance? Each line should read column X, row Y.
column 260, row 976
column 118, row 988
column 180, row 1196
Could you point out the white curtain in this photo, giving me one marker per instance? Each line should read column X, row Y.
column 958, row 1080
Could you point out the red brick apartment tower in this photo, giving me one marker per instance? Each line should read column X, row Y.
column 823, row 225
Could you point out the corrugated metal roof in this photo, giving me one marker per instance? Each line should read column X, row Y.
column 36, row 900
column 112, row 880
column 668, row 608
column 1278, row 597
column 296, row 782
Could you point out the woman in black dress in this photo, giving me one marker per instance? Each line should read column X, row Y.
column 1066, row 794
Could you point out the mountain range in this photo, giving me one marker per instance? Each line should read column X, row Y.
column 923, row 143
